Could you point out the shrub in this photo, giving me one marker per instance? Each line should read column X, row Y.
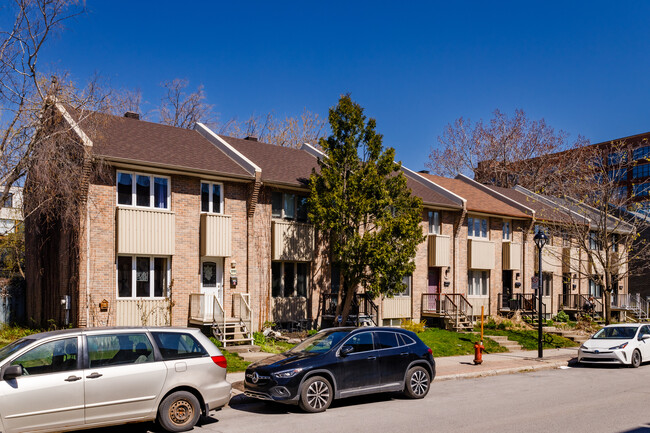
column 562, row 317
column 312, row 332
column 410, row 325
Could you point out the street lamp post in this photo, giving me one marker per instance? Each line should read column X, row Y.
column 540, row 240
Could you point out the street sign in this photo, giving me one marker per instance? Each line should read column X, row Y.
column 535, row 282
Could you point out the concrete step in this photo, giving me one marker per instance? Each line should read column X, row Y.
column 243, row 348
column 255, row 356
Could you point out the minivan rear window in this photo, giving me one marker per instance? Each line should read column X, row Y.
column 176, row 345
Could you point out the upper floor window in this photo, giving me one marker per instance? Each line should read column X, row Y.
column 594, row 242
column 641, row 153
column 615, row 242
column 434, row 222
column 641, row 189
column 9, row 201
column 642, row 170
column 406, row 280
column 616, row 158
column 617, row 175
column 211, row 197
column 477, row 227
column 507, row 230
column 142, row 190
column 289, row 206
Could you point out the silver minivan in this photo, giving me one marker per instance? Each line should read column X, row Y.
column 82, row 378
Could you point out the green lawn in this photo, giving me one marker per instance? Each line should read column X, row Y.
column 270, row 345
column 11, row 333
column 528, row 339
column 449, row 343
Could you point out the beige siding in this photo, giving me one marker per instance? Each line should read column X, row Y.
column 216, row 235
column 511, row 256
column 480, row 254
column 143, row 231
column 293, row 241
column 142, row 312
column 551, row 259
column 396, row 308
column 289, row 309
column 439, row 250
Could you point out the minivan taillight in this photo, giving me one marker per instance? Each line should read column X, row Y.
column 220, row 361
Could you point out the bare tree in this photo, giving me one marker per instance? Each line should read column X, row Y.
column 287, row 132
column 182, row 109
column 488, row 150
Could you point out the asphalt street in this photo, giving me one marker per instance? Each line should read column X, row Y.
column 594, row 399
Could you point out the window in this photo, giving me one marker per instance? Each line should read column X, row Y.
column 289, row 279
column 211, row 197
column 209, row 274
column 507, row 230
column 361, row 342
column 595, row 289
column 641, row 153
column 7, row 226
column 9, row 201
column 53, row 357
column 478, row 283
column 641, row 189
column 615, row 242
column 142, row 190
column 616, row 158
column 477, row 227
column 566, row 239
column 641, row 171
column 617, row 175
column 174, row 345
column 386, row 340
column 289, row 206
column 594, row 242
column 434, row 222
column 142, row 277
column 406, row 280
column 547, row 283
column 108, row 350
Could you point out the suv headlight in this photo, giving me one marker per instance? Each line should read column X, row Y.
column 622, row 346
column 287, row 373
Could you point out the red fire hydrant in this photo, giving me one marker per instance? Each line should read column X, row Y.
column 478, row 352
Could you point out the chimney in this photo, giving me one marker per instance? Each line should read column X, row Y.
column 251, row 137
column 132, row 115
column 424, row 171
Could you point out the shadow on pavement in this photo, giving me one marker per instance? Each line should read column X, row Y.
column 144, row 427
column 644, row 429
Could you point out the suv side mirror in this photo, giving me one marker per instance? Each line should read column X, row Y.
column 346, row 350
column 12, row 372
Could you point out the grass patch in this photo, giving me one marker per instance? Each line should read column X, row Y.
column 270, row 345
column 528, row 339
column 449, row 343
column 12, row 333
column 234, row 361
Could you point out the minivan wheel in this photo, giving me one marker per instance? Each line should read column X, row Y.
column 636, row 359
column 179, row 411
column 316, row 394
column 417, row 382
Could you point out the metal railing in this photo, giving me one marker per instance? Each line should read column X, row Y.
column 525, row 303
column 446, row 303
column 241, row 305
column 569, row 301
column 362, row 311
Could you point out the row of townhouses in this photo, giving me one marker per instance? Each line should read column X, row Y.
column 188, row 227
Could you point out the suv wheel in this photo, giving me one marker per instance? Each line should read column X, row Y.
column 316, row 394
column 179, row 411
column 417, row 382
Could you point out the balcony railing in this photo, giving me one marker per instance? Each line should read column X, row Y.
column 526, row 303
column 511, row 256
column 480, row 254
column 446, row 304
column 144, row 231
column 216, row 235
column 363, row 310
column 439, row 249
column 292, row 241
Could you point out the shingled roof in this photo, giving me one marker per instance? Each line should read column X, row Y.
column 137, row 141
column 281, row 165
column 477, row 199
column 544, row 211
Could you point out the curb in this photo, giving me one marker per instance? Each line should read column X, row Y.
column 496, row 372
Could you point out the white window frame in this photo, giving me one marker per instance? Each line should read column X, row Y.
column 134, row 289
column 134, row 175
column 211, row 204
column 283, row 216
column 406, row 293
column 506, row 224
column 471, row 220
column 435, row 226
column 484, row 289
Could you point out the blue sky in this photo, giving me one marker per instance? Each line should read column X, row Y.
column 582, row 66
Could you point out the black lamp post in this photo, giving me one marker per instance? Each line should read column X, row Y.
column 540, row 240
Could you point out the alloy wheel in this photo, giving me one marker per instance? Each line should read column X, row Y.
column 419, row 382
column 318, row 394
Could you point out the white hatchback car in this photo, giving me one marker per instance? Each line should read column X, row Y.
column 618, row 344
column 82, row 378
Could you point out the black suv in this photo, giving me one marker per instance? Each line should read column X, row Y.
column 344, row 362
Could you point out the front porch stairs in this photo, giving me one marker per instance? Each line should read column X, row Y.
column 232, row 331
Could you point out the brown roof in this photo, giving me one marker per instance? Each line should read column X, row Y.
column 146, row 142
column 428, row 195
column 284, row 165
column 543, row 211
column 477, row 199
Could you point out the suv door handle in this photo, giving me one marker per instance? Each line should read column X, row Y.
column 94, row 376
column 403, row 353
column 72, row 378
column 372, row 357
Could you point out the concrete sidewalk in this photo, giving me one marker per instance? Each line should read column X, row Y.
column 462, row 367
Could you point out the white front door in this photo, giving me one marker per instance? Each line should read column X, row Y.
column 211, row 284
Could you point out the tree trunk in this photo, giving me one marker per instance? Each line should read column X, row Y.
column 349, row 297
column 608, row 306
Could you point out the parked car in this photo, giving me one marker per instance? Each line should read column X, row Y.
column 344, row 362
column 618, row 344
column 82, row 378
